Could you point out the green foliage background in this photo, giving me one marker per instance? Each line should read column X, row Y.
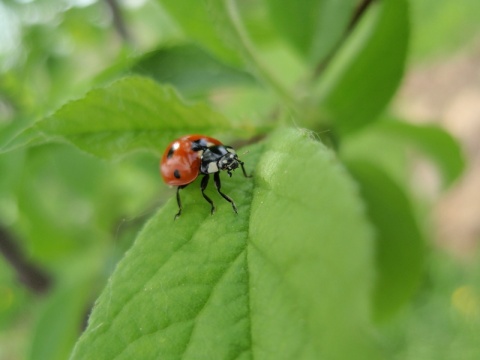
column 329, row 256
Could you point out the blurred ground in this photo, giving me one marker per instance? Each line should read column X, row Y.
column 447, row 92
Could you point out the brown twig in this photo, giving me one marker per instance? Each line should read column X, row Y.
column 357, row 15
column 28, row 273
column 361, row 8
column 118, row 21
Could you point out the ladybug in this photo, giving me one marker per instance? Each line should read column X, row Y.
column 189, row 156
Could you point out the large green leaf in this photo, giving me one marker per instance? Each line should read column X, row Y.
column 400, row 243
column 289, row 277
column 313, row 27
column 133, row 113
column 364, row 75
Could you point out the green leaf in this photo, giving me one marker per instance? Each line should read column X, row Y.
column 400, row 243
column 60, row 322
column 133, row 113
column 187, row 67
column 442, row 27
column 190, row 69
column 199, row 22
column 435, row 142
column 366, row 144
column 313, row 27
column 209, row 21
column 14, row 300
column 289, row 277
column 364, row 75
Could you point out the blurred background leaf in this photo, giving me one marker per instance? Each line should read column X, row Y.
column 367, row 69
column 203, row 27
column 191, row 70
column 400, row 244
column 441, row 27
column 313, row 27
column 187, row 67
column 433, row 141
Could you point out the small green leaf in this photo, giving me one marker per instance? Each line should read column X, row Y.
column 442, row 28
column 435, row 142
column 400, row 243
column 190, row 69
column 313, row 27
column 366, row 145
column 60, row 322
column 289, row 277
column 187, row 67
column 203, row 27
column 212, row 20
column 364, row 75
column 133, row 113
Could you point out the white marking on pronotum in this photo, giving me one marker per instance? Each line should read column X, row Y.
column 212, row 168
column 175, row 145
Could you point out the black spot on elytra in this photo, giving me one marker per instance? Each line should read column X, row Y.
column 176, row 173
column 170, row 153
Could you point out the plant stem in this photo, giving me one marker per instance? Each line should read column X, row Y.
column 262, row 69
column 357, row 15
column 118, row 21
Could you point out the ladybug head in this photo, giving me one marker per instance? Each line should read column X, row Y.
column 228, row 161
column 219, row 157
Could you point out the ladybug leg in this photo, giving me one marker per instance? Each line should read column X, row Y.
column 179, row 202
column 243, row 169
column 203, row 186
column 218, row 185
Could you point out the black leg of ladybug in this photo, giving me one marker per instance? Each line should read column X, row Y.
column 203, row 186
column 179, row 202
column 243, row 169
column 218, row 185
